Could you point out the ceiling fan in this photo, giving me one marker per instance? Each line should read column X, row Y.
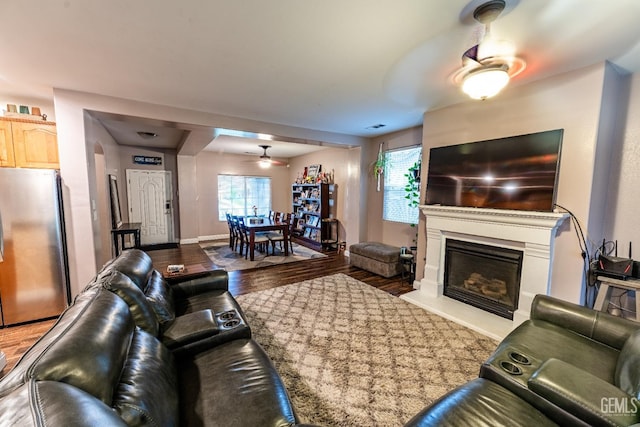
column 266, row 160
column 488, row 66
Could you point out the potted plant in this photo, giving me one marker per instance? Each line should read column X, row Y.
column 412, row 190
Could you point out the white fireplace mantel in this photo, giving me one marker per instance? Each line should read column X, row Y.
column 531, row 232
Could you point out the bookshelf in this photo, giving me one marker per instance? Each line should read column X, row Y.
column 312, row 207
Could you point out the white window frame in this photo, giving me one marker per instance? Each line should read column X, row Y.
column 395, row 206
column 244, row 200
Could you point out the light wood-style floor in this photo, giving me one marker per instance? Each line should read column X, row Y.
column 15, row 340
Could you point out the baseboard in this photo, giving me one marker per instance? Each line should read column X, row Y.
column 213, row 237
column 188, row 241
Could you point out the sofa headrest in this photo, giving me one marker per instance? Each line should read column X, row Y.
column 160, row 295
column 134, row 263
column 53, row 403
column 86, row 349
column 141, row 310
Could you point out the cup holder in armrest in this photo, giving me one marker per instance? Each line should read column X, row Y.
column 228, row 324
column 228, row 315
column 519, row 358
column 510, row 367
column 229, row 319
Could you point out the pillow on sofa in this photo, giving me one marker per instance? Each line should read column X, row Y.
column 627, row 375
column 140, row 308
column 160, row 296
column 147, row 394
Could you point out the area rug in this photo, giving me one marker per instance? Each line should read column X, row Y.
column 352, row 355
column 224, row 257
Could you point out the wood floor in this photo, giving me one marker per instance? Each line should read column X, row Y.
column 15, row 340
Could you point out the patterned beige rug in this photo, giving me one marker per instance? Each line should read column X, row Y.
column 352, row 355
column 224, row 257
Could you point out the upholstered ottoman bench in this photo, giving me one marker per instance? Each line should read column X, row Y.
column 375, row 257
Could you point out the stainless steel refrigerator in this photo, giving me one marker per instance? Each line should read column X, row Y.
column 33, row 258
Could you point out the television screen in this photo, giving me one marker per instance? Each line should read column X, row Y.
column 517, row 172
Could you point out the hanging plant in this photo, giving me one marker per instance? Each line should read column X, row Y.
column 379, row 166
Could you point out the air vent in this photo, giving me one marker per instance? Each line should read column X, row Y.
column 147, row 135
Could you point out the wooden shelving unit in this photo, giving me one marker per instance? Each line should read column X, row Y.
column 312, row 205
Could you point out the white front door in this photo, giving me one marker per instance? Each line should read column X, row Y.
column 150, row 205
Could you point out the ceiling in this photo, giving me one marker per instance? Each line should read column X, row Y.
column 333, row 65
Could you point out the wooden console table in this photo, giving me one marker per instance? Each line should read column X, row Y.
column 126, row 229
column 604, row 294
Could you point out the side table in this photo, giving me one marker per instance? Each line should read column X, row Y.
column 129, row 228
column 408, row 263
column 604, row 294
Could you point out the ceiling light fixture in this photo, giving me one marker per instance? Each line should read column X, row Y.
column 485, row 82
column 264, row 163
column 488, row 66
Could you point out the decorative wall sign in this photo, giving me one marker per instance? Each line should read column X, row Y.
column 313, row 171
column 147, row 160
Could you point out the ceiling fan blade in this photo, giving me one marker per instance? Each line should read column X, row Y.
column 278, row 163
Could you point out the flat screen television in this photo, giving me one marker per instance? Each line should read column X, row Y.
column 517, row 172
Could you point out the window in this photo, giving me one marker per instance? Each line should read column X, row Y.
column 395, row 205
column 238, row 194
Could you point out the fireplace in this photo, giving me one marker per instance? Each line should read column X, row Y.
column 529, row 232
column 487, row 277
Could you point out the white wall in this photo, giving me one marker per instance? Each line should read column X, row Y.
column 78, row 170
column 572, row 102
column 350, row 209
column 623, row 203
column 393, row 233
column 209, row 165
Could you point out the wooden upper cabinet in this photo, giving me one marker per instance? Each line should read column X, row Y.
column 6, row 145
column 35, row 145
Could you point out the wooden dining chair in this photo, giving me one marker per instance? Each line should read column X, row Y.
column 278, row 237
column 260, row 241
column 238, row 235
column 232, row 235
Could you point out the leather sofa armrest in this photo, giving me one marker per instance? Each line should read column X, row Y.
column 602, row 327
column 190, row 328
column 584, row 395
column 214, row 280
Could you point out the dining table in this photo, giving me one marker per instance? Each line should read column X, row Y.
column 266, row 224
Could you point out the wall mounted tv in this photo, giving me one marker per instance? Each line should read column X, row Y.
column 517, row 172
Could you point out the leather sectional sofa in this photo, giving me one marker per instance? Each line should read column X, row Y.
column 132, row 350
column 567, row 365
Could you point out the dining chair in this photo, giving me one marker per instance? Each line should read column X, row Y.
column 238, row 235
column 260, row 240
column 232, row 236
column 278, row 237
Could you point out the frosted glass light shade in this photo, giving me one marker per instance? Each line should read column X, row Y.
column 485, row 82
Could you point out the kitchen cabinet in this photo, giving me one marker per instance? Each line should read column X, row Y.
column 6, row 145
column 28, row 144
